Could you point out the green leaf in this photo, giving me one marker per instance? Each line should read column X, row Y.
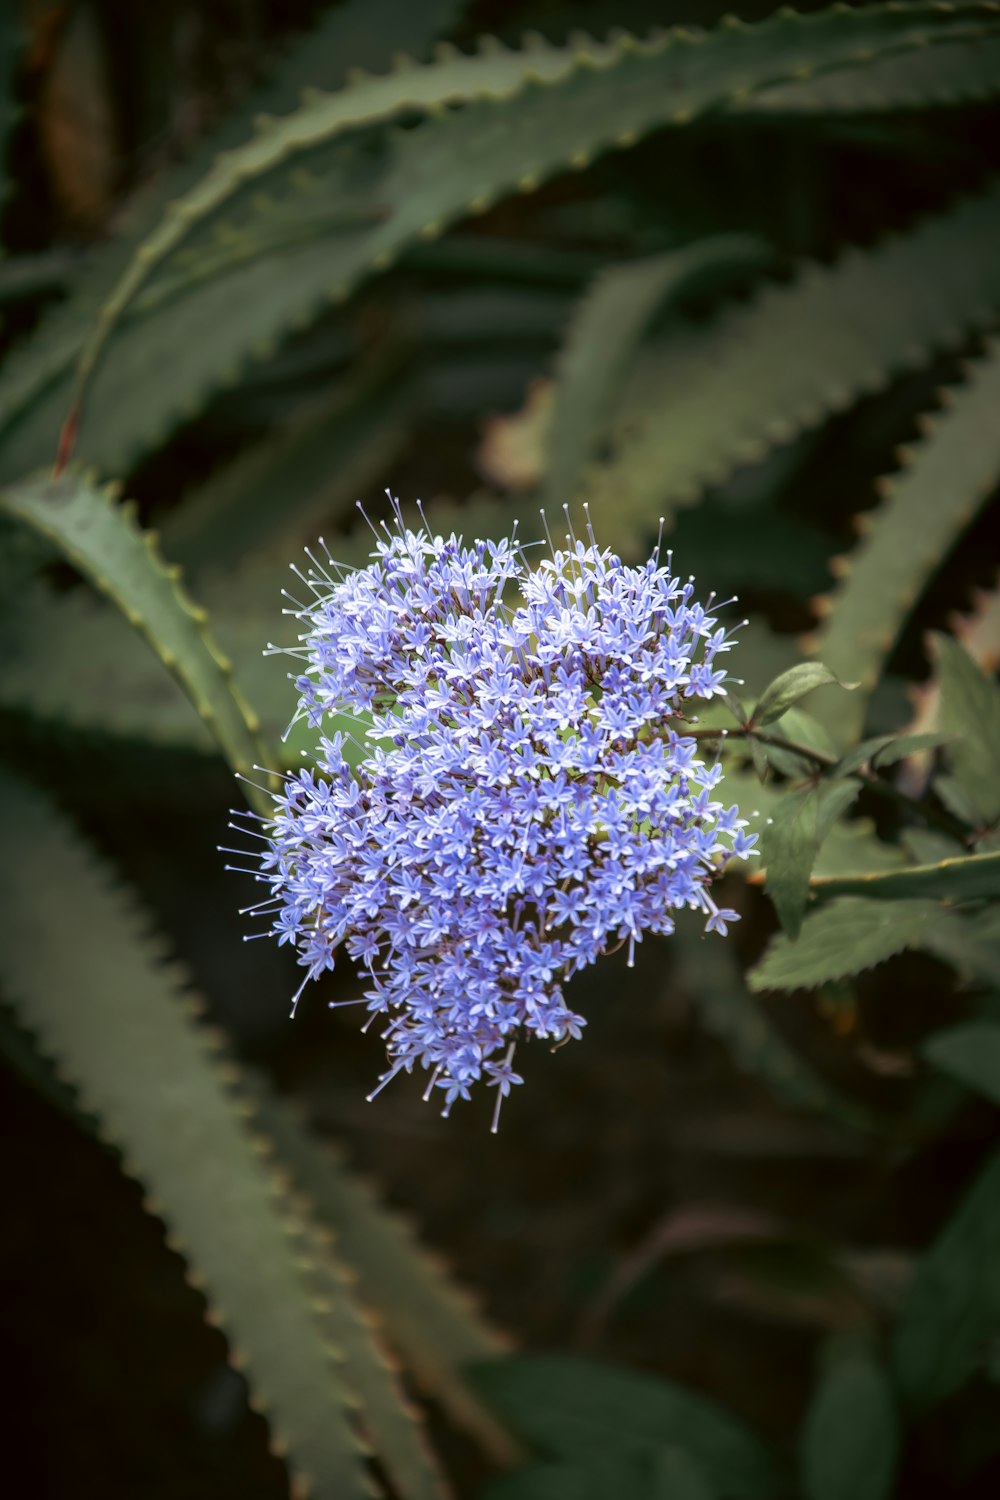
column 663, row 1474
column 969, row 942
column 724, row 394
column 970, row 711
column 102, row 539
column 607, row 328
column 956, row 73
column 850, row 1440
column 969, row 877
column 885, row 750
column 790, row 843
column 82, row 977
column 926, row 508
column 710, row 975
column 952, row 1310
column 375, row 193
column 970, row 1053
column 844, row 938
column 788, row 848
column 427, row 1319
column 790, row 686
column 567, row 1407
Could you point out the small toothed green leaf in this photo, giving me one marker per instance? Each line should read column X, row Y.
column 885, row 750
column 790, row 844
column 970, row 1053
column 844, row 938
column 785, row 691
column 851, row 1439
column 102, row 539
column 951, row 1313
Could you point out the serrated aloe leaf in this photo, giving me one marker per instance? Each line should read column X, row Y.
column 571, row 103
column 710, row 975
column 926, row 507
column 958, row 72
column 103, row 540
column 283, row 491
column 748, row 381
column 970, row 1053
column 969, row 877
column 846, row 937
column 78, row 970
column 969, row 709
column 951, row 1312
column 426, row 1318
column 851, row 1438
column 566, row 1407
column 608, row 327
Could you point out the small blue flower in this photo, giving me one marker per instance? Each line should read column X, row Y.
column 529, row 800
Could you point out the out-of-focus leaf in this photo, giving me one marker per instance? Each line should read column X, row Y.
column 709, row 973
column 926, row 507
column 665, row 1474
column 608, row 327
column 79, row 971
column 850, row 1439
column 885, row 750
column 846, row 937
column 567, row 1407
column 102, row 539
column 970, row 711
column 970, row 1053
column 725, row 394
column 951, row 1314
column 785, row 691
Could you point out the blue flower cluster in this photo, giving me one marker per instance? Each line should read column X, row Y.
column 528, row 800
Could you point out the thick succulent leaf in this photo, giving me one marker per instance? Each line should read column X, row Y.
column 278, row 495
column 970, row 1053
column 750, row 381
column 431, row 1324
column 959, row 72
column 851, row 1438
column 102, row 539
column 709, row 973
column 83, row 977
column 363, row 207
column 567, row 1407
column 951, row 1312
column 925, row 509
column 607, row 328
column 844, row 938
column 969, row 710
column 969, row 877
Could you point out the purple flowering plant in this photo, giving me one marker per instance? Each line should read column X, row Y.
column 527, row 801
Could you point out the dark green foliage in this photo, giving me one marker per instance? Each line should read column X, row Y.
column 736, row 270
